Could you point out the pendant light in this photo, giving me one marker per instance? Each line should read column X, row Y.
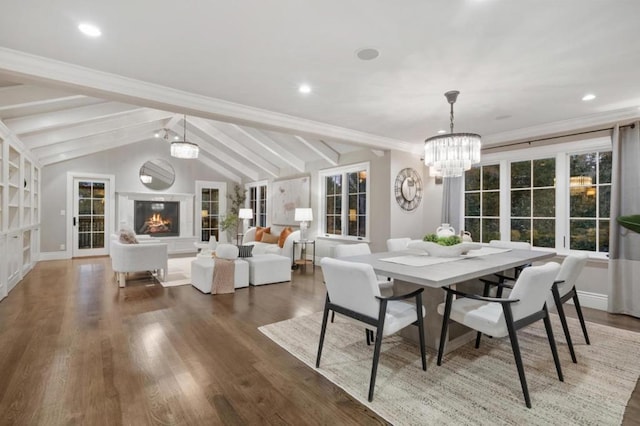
column 183, row 148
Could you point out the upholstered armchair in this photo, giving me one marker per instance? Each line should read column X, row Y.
column 138, row 257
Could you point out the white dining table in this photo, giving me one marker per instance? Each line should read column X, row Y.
column 462, row 272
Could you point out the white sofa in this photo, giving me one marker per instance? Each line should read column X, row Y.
column 265, row 248
column 138, row 257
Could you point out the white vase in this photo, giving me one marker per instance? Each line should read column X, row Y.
column 445, row 230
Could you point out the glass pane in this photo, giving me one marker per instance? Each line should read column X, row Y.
column 472, row 179
column 490, row 230
column 544, row 202
column 98, row 190
column 206, row 195
column 338, row 224
column 353, row 225
column 206, row 222
column 582, row 235
column 544, row 232
column 215, row 195
column 330, row 185
column 353, row 182
column 362, row 226
column 605, row 167
column 84, row 189
column 84, row 223
column 521, row 203
column 338, row 205
column 521, row 174
column 544, row 172
column 603, row 235
column 604, row 198
column 521, row 230
column 362, row 204
column 98, row 224
column 584, row 165
column 362, row 180
column 329, row 225
column 84, row 240
column 472, row 204
column 98, row 207
column 98, row 240
column 353, row 202
column 473, row 226
column 491, row 177
column 84, row 206
column 581, row 204
column 331, row 205
column 491, row 204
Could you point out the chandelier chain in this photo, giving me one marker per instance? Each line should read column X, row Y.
column 451, row 117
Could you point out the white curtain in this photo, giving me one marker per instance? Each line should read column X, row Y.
column 452, row 202
column 624, row 245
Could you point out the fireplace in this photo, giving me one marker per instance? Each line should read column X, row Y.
column 157, row 218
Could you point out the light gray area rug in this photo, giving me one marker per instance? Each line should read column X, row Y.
column 476, row 386
column 179, row 272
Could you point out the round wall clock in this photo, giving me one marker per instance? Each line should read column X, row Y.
column 408, row 189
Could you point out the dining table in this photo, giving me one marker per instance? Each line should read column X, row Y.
column 413, row 268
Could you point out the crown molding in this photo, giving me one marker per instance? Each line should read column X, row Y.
column 608, row 118
column 96, row 83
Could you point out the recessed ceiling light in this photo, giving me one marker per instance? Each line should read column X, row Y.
column 176, row 137
column 89, row 30
column 367, row 53
column 304, row 88
column 156, row 135
column 589, row 97
column 441, row 132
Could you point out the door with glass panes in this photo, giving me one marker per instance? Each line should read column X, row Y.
column 90, row 217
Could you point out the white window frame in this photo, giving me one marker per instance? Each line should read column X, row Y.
column 258, row 184
column 322, row 202
column 222, row 205
column 562, row 153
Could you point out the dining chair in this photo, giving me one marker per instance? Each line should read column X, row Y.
column 499, row 317
column 346, row 250
column 352, row 290
column 564, row 289
column 397, row 244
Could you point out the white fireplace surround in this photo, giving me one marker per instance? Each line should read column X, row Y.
column 181, row 244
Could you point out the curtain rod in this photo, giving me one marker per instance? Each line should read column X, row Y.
column 586, row 132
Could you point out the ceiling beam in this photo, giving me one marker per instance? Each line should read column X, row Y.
column 268, row 144
column 110, row 124
column 101, row 84
column 242, row 167
column 68, row 117
column 322, row 149
column 21, row 96
column 208, row 128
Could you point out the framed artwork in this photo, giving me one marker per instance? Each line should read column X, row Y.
column 286, row 196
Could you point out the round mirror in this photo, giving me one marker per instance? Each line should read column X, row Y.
column 157, row 174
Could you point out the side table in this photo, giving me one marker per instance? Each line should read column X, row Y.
column 303, row 261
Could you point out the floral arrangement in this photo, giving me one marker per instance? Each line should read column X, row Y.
column 443, row 241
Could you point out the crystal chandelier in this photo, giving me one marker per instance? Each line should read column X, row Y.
column 183, row 148
column 451, row 154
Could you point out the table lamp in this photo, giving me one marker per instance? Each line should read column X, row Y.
column 245, row 215
column 304, row 216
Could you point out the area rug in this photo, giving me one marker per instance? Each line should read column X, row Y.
column 179, row 272
column 476, row 386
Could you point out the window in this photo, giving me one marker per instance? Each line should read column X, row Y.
column 345, row 201
column 533, row 202
column 482, row 203
column 257, row 202
column 557, row 198
column 211, row 197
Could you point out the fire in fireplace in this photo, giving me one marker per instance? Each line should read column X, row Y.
column 157, row 218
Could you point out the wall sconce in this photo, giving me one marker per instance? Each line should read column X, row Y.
column 304, row 216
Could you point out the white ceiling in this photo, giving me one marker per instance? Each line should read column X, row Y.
column 522, row 68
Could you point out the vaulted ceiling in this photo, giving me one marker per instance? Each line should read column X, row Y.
column 235, row 67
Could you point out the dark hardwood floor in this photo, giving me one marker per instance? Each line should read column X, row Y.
column 76, row 349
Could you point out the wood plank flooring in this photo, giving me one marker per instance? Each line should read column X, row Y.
column 76, row 349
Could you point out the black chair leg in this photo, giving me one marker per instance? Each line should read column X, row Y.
column 325, row 316
column 423, row 354
column 366, row 332
column 552, row 343
column 516, row 353
column 445, row 324
column 576, row 303
column 333, row 315
column 563, row 321
column 485, row 293
column 377, row 346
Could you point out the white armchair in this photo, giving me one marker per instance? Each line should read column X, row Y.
column 138, row 257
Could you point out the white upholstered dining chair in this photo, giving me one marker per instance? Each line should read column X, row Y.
column 346, row 250
column 499, row 317
column 397, row 244
column 352, row 290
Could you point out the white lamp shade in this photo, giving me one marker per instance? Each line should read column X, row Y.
column 303, row 215
column 245, row 214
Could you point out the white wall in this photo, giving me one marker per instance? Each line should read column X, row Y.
column 124, row 163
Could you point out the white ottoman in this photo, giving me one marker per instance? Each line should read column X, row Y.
column 202, row 274
column 268, row 269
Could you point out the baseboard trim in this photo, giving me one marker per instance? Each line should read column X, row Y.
column 54, row 255
column 592, row 300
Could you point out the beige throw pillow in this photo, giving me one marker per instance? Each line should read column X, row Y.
column 270, row 238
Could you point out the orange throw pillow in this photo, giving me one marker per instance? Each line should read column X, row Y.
column 260, row 230
column 269, row 238
column 283, row 236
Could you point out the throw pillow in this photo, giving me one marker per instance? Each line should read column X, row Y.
column 127, row 236
column 245, row 251
column 269, row 238
column 260, row 231
column 283, row 236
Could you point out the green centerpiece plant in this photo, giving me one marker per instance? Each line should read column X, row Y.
column 443, row 241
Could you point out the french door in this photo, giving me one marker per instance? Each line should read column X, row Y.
column 91, row 216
